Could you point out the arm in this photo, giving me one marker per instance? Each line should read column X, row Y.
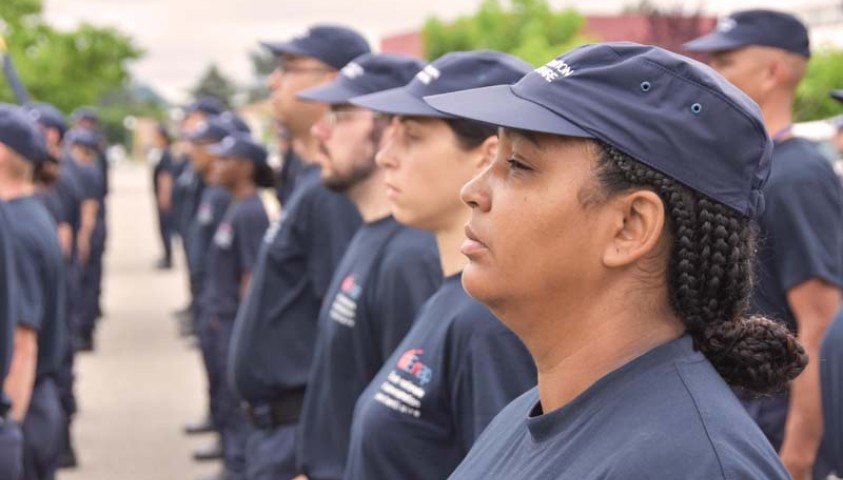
column 65, row 239
column 21, row 378
column 165, row 191
column 814, row 304
column 90, row 208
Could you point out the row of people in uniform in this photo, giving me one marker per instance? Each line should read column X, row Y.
column 568, row 250
column 52, row 196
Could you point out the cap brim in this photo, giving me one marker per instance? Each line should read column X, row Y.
column 218, row 150
column 714, row 42
column 837, row 95
column 397, row 101
column 332, row 94
column 498, row 105
column 285, row 48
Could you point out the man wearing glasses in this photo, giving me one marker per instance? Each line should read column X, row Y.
column 275, row 331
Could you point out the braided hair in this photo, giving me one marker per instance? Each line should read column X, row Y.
column 710, row 279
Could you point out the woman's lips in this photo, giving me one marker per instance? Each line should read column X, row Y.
column 472, row 245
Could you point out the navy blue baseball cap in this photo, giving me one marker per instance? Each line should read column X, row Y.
column 48, row 115
column 240, row 145
column 366, row 74
column 755, row 27
column 667, row 111
column 450, row 72
column 213, row 130
column 837, row 95
column 84, row 137
column 19, row 132
column 85, row 113
column 332, row 44
column 206, row 105
column 234, row 122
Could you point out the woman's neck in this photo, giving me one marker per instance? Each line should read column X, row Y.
column 243, row 190
column 575, row 343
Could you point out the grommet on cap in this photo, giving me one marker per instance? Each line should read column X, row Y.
column 696, row 108
column 645, row 86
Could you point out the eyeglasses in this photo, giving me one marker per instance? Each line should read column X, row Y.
column 333, row 117
column 286, row 68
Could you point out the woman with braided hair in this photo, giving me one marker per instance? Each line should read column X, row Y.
column 613, row 234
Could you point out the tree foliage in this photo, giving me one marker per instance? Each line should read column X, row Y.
column 529, row 29
column 824, row 74
column 213, row 83
column 66, row 68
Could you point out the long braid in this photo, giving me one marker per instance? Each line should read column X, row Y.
column 710, row 279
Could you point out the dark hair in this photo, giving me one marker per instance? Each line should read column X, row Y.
column 263, row 176
column 470, row 134
column 710, row 272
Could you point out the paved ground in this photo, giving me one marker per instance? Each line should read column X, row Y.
column 143, row 382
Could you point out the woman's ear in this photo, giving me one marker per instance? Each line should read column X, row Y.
column 638, row 223
column 488, row 151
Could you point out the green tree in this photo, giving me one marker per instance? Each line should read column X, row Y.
column 824, row 74
column 263, row 64
column 66, row 68
column 529, row 29
column 213, row 83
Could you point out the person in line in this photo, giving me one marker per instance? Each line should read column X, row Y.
column 633, row 174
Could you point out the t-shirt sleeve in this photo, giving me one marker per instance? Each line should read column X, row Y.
column 402, row 288
column 250, row 230
column 89, row 185
column 495, row 370
column 805, row 228
column 30, row 288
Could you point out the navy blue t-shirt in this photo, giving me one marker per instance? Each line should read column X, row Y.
column 40, row 271
column 386, row 274
column 453, row 372
column 801, row 233
column 209, row 214
column 9, row 294
column 665, row 415
column 189, row 186
column 68, row 187
column 275, row 331
column 290, row 171
column 232, row 256
column 831, row 373
column 52, row 202
column 165, row 164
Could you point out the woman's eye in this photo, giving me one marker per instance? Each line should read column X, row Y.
column 514, row 164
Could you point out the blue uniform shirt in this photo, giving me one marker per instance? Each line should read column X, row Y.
column 831, row 371
column 453, row 372
column 40, row 272
column 386, row 274
column 275, row 332
column 212, row 207
column 801, row 228
column 9, row 295
column 232, row 255
column 665, row 415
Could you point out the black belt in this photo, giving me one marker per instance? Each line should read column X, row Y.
column 284, row 411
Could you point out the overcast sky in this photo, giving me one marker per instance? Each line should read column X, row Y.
column 181, row 37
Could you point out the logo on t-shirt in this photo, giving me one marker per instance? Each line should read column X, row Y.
column 205, row 214
column 344, row 307
column 402, row 395
column 224, row 236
